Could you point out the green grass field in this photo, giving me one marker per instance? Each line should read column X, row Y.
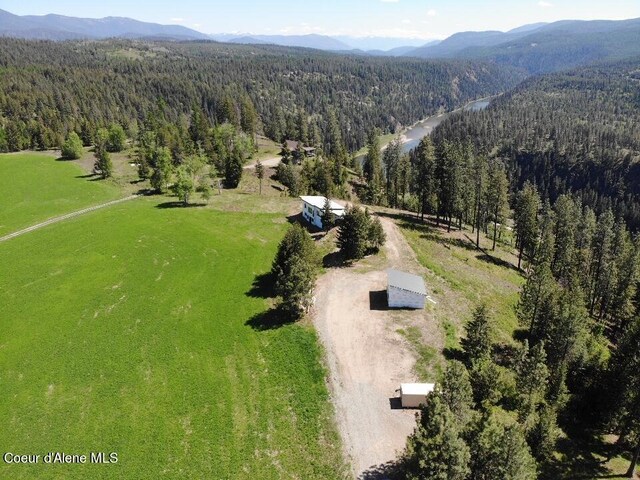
column 133, row 330
column 36, row 187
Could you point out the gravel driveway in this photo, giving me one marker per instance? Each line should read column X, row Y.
column 367, row 358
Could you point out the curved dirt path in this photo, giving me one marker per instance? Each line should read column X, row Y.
column 268, row 162
column 65, row 217
column 367, row 357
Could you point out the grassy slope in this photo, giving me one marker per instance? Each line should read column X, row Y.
column 36, row 187
column 138, row 344
column 463, row 277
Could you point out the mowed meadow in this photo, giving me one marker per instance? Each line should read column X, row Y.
column 36, row 187
column 132, row 330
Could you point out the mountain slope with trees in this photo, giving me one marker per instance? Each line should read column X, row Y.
column 48, row 89
column 557, row 46
column 568, row 132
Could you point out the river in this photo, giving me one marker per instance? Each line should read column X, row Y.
column 412, row 135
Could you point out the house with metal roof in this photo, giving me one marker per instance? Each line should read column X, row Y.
column 405, row 290
column 313, row 208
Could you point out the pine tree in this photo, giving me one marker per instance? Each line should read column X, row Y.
column 376, row 237
column 539, row 291
column 602, row 259
column 499, row 450
column 526, row 221
column 436, row 450
column 566, row 224
column 294, row 270
column 457, row 392
column 424, row 174
column 233, row 169
column 327, row 216
column 531, row 380
column 162, row 169
column 391, row 160
column 353, row 233
column 103, row 165
column 480, row 183
column 260, row 173
column 477, row 344
column 622, row 384
column 543, row 434
column 372, row 169
column 497, row 197
column 566, row 334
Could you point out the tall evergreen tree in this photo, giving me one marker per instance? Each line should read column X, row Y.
column 526, row 221
column 424, row 168
column 436, row 450
column 477, row 343
column 372, row 169
column 499, row 450
column 457, row 392
column 497, row 196
column 260, row 173
column 294, row 270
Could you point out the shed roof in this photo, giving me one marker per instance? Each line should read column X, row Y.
column 406, row 281
column 416, row 388
column 319, row 201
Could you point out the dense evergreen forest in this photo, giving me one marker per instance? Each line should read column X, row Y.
column 567, row 132
column 48, row 89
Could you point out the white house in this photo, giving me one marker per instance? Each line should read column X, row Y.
column 313, row 207
column 405, row 290
column 412, row 395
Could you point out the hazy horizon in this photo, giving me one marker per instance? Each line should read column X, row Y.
column 409, row 19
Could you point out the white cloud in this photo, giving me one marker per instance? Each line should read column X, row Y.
column 390, row 1
column 431, row 13
column 545, row 4
column 177, row 19
column 197, row 25
column 406, row 21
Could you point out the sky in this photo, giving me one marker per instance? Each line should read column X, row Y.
column 418, row 19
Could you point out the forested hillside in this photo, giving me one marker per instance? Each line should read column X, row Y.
column 48, row 89
column 570, row 132
column 544, row 48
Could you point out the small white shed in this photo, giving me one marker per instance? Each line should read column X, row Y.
column 313, row 207
column 405, row 290
column 413, row 395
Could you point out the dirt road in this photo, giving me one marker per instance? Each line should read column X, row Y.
column 65, row 217
column 268, row 162
column 367, row 357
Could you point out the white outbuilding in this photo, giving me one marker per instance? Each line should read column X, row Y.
column 405, row 290
column 313, row 207
column 412, row 395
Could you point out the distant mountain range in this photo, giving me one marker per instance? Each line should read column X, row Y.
column 387, row 46
column 544, row 48
column 60, row 27
column 537, row 48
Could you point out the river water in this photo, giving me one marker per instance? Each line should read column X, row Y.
column 424, row 127
column 413, row 134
